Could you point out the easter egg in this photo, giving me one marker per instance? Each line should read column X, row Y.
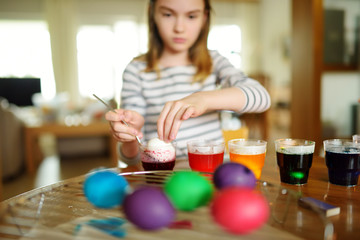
column 149, row 208
column 233, row 174
column 105, row 189
column 188, row 190
column 240, row 210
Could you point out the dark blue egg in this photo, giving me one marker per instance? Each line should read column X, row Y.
column 233, row 174
column 105, row 189
column 148, row 208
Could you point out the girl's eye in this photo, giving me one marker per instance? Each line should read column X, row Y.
column 193, row 16
column 167, row 14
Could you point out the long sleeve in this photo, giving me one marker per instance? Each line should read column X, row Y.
column 146, row 93
column 257, row 97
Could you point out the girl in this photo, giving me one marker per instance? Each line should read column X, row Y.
column 172, row 92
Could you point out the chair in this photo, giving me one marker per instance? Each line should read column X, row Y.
column 232, row 127
column 258, row 122
column 11, row 141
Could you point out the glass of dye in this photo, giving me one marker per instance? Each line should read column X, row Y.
column 162, row 158
column 342, row 159
column 356, row 138
column 205, row 155
column 294, row 158
column 248, row 152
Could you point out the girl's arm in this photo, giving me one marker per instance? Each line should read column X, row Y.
column 257, row 98
column 131, row 98
column 238, row 93
column 194, row 105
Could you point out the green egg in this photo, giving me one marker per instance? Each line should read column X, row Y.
column 188, row 190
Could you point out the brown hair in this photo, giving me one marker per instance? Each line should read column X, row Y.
column 198, row 53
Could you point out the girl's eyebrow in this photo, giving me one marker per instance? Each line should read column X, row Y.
column 171, row 10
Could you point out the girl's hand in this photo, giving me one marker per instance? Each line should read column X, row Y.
column 175, row 112
column 120, row 131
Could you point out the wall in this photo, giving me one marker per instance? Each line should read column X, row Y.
column 339, row 92
column 265, row 25
column 275, row 28
column 64, row 16
column 352, row 14
column 21, row 9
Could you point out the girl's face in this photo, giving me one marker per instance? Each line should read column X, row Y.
column 179, row 23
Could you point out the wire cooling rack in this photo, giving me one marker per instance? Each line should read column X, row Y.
column 58, row 211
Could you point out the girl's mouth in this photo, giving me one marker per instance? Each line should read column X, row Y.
column 179, row 40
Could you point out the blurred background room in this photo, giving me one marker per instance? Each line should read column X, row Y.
column 55, row 54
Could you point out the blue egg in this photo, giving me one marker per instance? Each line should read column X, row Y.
column 105, row 189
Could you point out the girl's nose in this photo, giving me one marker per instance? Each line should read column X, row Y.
column 179, row 25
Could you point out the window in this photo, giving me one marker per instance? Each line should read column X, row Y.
column 227, row 40
column 103, row 53
column 95, row 46
column 25, row 51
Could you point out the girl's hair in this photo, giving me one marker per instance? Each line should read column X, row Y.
column 198, row 53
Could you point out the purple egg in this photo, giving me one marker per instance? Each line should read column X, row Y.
column 233, row 174
column 149, row 208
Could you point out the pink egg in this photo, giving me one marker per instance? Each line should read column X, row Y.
column 240, row 210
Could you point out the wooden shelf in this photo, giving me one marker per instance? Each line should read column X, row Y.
column 341, row 68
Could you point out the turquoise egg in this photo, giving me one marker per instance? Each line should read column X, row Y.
column 105, row 188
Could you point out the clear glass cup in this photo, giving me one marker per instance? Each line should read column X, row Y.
column 356, row 138
column 205, row 155
column 342, row 157
column 248, row 152
column 294, row 158
column 160, row 158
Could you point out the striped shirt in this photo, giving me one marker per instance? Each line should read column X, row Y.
column 145, row 93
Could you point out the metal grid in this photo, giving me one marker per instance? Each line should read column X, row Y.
column 58, row 209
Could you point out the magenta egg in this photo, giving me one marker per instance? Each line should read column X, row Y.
column 240, row 210
column 233, row 174
column 149, row 208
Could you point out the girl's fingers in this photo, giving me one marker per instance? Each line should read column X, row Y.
column 128, row 116
column 123, row 137
column 115, row 135
column 171, row 119
column 161, row 120
column 123, row 132
column 189, row 111
column 177, row 121
column 111, row 116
